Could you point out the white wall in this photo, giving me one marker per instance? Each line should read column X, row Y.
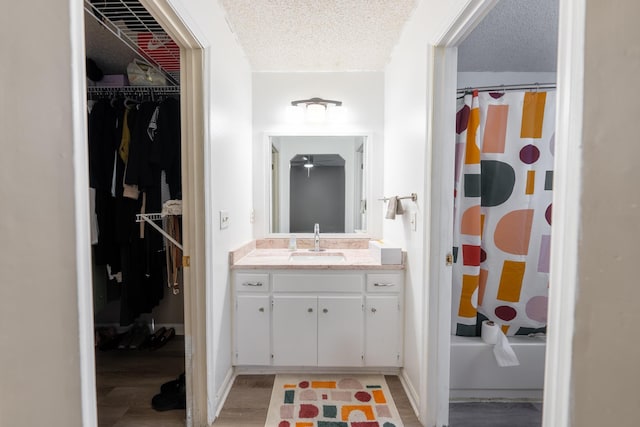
column 40, row 361
column 46, row 160
column 407, row 170
column 362, row 95
column 604, row 371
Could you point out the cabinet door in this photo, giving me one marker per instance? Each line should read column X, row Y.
column 295, row 325
column 252, row 330
column 383, row 331
column 340, row 331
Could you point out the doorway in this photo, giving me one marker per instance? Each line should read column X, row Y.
column 443, row 67
column 192, row 257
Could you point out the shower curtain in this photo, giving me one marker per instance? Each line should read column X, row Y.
column 502, row 211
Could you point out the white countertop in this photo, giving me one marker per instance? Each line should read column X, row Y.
column 354, row 259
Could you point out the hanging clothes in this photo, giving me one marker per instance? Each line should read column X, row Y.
column 169, row 141
column 126, row 168
column 102, row 142
column 502, row 211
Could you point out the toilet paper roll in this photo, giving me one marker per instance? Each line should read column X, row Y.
column 490, row 332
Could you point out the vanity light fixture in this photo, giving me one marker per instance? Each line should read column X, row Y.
column 316, row 108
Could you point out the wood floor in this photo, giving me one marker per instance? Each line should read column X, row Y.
column 127, row 380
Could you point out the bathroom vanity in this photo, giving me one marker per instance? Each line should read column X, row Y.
column 336, row 308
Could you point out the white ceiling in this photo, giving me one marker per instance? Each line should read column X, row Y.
column 350, row 35
column 516, row 35
column 356, row 35
column 318, row 35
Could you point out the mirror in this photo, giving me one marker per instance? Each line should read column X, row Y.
column 318, row 179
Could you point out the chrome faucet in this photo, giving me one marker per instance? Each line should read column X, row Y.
column 316, row 237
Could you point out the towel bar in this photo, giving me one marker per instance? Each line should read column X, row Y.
column 413, row 197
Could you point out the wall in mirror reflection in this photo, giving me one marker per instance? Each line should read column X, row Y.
column 318, row 179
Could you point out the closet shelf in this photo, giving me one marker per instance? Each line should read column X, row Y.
column 149, row 218
column 133, row 90
column 130, row 22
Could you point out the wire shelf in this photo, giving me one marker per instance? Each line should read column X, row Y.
column 137, row 29
column 136, row 91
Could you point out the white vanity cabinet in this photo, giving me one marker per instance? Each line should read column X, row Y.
column 324, row 319
column 317, row 319
column 252, row 319
column 383, row 313
column 317, row 331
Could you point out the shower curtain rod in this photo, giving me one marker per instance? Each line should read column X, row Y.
column 501, row 88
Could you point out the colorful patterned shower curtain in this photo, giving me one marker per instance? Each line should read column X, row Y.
column 502, row 211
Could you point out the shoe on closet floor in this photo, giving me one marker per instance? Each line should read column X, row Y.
column 134, row 337
column 173, row 386
column 140, row 334
column 164, row 338
column 172, row 395
column 107, row 338
column 153, row 338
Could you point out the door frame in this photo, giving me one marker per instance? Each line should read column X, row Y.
column 442, row 67
column 442, row 71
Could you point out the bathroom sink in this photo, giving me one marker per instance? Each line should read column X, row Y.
column 316, row 258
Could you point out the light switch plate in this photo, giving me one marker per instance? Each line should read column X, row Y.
column 224, row 219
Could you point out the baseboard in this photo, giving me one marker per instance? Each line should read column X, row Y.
column 271, row 370
column 412, row 395
column 223, row 391
column 496, row 395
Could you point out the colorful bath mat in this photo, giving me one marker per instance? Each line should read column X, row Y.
column 331, row 401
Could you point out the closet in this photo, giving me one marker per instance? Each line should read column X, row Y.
column 134, row 145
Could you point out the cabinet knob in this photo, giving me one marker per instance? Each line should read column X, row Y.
column 373, row 310
column 261, row 309
column 324, row 310
column 310, row 310
column 382, row 285
column 252, row 284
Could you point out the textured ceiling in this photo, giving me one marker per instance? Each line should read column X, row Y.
column 318, row 35
column 349, row 35
column 517, row 35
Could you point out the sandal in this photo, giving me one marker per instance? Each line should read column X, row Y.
column 152, row 340
column 164, row 338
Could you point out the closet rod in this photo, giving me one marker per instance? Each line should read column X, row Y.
column 503, row 88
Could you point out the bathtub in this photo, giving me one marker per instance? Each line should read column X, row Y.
column 475, row 373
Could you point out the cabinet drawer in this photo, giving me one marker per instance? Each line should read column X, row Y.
column 384, row 282
column 251, row 282
column 318, row 282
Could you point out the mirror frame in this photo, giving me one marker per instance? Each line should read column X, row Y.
column 372, row 193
